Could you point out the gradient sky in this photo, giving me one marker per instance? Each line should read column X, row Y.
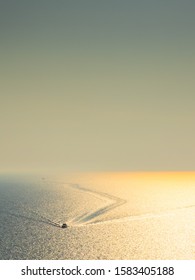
column 97, row 85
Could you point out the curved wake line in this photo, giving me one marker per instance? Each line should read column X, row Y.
column 114, row 202
column 88, row 218
column 171, row 212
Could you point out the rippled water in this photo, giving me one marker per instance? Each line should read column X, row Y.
column 109, row 216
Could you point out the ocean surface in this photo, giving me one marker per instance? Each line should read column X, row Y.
column 109, row 216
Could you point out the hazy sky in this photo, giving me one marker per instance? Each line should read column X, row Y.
column 97, row 85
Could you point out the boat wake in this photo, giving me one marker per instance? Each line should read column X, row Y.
column 112, row 202
column 92, row 218
column 145, row 216
column 87, row 218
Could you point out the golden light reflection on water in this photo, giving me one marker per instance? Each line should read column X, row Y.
column 144, row 192
column 157, row 219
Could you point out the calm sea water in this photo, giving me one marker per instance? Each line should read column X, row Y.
column 109, row 216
